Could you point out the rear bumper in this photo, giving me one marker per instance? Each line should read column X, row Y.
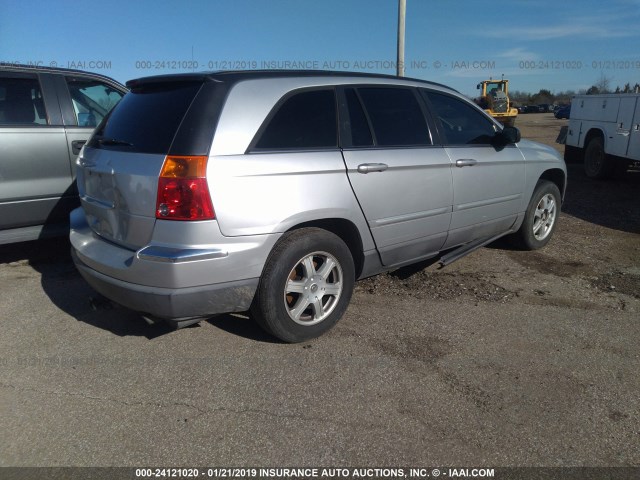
column 172, row 303
column 175, row 276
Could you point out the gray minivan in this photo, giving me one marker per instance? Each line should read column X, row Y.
column 274, row 191
column 46, row 115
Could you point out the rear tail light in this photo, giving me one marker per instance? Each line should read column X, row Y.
column 183, row 193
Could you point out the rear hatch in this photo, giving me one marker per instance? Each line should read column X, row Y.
column 119, row 167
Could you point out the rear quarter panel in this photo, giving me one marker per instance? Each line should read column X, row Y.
column 267, row 193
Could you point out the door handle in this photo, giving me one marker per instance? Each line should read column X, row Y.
column 372, row 167
column 466, row 162
column 77, row 145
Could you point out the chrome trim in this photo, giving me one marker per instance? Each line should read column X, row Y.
column 156, row 253
column 99, row 203
column 484, row 203
column 409, row 217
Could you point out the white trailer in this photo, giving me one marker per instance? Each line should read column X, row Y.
column 604, row 131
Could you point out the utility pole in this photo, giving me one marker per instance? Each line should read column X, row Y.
column 402, row 10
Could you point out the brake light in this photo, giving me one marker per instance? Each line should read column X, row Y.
column 183, row 193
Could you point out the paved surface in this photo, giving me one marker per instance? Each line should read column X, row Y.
column 506, row 358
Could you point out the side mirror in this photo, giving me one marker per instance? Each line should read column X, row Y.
column 511, row 135
column 478, row 86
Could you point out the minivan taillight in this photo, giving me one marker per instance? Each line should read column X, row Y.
column 183, row 193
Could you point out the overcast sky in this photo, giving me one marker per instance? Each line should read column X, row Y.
column 558, row 45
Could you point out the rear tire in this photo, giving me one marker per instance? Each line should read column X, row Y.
column 596, row 163
column 541, row 217
column 306, row 285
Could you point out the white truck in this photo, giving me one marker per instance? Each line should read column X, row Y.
column 604, row 131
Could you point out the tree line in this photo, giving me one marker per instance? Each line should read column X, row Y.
column 603, row 85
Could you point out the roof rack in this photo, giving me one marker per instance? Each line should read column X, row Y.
column 236, row 75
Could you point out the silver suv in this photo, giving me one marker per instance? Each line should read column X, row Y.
column 274, row 191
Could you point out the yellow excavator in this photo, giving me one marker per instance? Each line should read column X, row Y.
column 494, row 99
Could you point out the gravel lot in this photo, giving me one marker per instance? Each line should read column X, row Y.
column 505, row 358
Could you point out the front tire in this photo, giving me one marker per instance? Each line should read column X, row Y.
column 541, row 217
column 306, row 285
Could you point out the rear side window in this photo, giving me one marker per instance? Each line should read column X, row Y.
column 396, row 117
column 462, row 124
column 305, row 120
column 147, row 118
column 360, row 132
column 92, row 100
column 21, row 102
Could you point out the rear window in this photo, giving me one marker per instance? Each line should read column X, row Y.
column 147, row 118
column 305, row 120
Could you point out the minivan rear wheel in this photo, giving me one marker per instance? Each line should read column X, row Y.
column 306, row 285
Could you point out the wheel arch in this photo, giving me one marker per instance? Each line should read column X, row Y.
column 347, row 231
column 595, row 132
column 557, row 176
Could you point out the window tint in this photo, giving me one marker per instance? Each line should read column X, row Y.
column 147, row 118
column 360, row 133
column 396, row 116
column 21, row 102
column 306, row 120
column 462, row 124
column 92, row 100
